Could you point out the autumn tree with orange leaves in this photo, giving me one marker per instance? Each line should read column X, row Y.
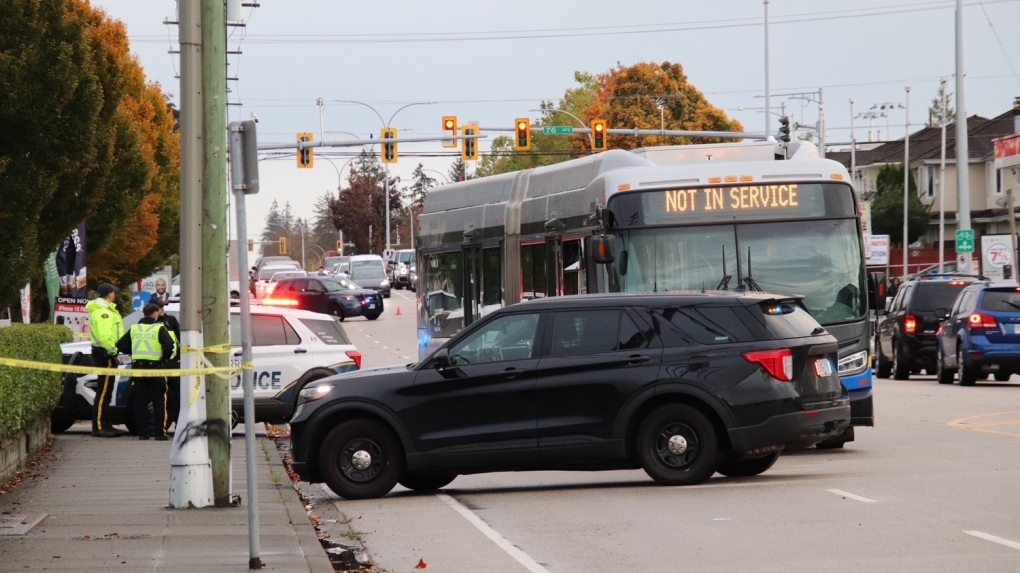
column 85, row 138
column 643, row 96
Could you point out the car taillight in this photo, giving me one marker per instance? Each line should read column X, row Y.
column 980, row 321
column 356, row 357
column 778, row 363
column 910, row 325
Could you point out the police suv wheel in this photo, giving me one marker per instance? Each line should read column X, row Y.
column 677, row 445
column 361, row 459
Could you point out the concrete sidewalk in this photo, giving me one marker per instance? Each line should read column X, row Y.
column 105, row 505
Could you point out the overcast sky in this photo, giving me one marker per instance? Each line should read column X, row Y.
column 494, row 61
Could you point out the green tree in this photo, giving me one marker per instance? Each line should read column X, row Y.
column 459, row 171
column 887, row 207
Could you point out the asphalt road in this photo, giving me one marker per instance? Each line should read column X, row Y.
column 932, row 488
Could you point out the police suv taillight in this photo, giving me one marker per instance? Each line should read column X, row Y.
column 778, row 363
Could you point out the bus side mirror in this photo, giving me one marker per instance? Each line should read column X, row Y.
column 602, row 248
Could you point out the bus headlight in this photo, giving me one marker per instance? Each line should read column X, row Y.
column 313, row 392
column 853, row 364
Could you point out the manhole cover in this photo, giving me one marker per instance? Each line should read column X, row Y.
column 18, row 523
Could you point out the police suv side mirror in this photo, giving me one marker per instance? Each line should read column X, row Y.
column 441, row 359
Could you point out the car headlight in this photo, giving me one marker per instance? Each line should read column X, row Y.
column 313, row 392
column 385, row 283
column 853, row 364
column 349, row 297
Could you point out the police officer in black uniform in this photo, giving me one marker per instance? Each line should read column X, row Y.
column 173, row 382
column 151, row 347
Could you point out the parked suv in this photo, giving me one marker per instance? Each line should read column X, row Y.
column 338, row 297
column 980, row 335
column 682, row 386
column 905, row 338
column 399, row 268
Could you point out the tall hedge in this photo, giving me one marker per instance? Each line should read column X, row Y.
column 27, row 394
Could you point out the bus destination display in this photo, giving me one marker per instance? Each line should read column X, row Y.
column 755, row 202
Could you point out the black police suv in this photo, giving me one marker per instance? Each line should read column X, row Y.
column 905, row 338
column 682, row 386
column 339, row 297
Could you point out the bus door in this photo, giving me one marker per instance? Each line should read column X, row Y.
column 554, row 265
column 471, row 257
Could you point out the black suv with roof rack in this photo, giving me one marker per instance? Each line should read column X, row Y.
column 683, row 386
column 905, row 340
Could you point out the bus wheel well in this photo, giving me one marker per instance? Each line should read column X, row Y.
column 648, row 407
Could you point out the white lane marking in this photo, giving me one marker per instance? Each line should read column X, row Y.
column 994, row 539
column 500, row 541
column 850, row 495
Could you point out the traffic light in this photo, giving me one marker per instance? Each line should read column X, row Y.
column 339, row 246
column 784, row 128
column 450, row 128
column 598, row 135
column 389, row 150
column 469, row 151
column 522, row 126
column 283, row 245
column 305, row 156
column 251, row 244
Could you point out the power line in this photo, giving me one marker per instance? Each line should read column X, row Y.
column 375, row 38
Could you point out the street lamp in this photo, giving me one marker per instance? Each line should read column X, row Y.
column 440, row 173
column 386, row 179
column 339, row 186
column 871, row 116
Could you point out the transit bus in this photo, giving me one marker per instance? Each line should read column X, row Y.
column 762, row 215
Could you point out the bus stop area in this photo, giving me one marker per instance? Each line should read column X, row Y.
column 102, row 505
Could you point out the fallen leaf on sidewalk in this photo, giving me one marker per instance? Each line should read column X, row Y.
column 421, row 564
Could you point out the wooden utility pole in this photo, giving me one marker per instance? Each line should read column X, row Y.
column 215, row 297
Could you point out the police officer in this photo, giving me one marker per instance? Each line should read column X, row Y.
column 151, row 347
column 105, row 328
column 173, row 382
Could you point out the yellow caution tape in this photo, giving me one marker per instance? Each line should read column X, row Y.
column 223, row 371
column 218, row 349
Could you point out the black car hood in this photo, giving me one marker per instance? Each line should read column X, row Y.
column 361, row 291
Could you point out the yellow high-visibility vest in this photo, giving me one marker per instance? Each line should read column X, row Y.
column 145, row 342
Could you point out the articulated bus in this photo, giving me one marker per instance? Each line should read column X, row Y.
column 755, row 215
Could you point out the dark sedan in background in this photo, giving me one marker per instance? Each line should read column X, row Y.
column 338, row 297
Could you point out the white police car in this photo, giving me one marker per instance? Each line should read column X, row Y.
column 290, row 348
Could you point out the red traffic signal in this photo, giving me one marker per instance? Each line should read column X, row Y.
column 522, row 127
column 598, row 135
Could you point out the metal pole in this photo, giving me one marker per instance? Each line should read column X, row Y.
column 190, row 469
column 821, row 123
column 386, row 190
column 303, row 246
column 322, row 104
column 768, row 93
column 906, row 185
column 962, row 151
column 1012, row 230
column 853, row 147
column 247, row 375
column 942, row 183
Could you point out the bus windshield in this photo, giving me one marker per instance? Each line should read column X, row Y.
column 819, row 259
